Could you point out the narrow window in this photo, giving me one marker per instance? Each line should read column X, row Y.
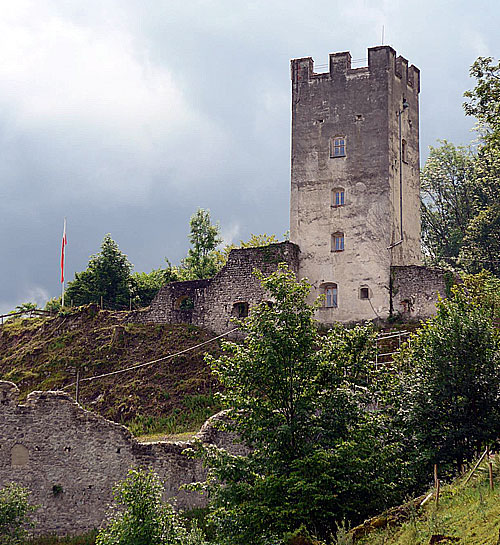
column 364, row 293
column 331, row 296
column 404, row 151
column 338, row 197
column 338, row 242
column 240, row 310
column 184, row 302
column 337, row 146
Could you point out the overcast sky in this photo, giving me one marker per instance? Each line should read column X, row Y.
column 125, row 116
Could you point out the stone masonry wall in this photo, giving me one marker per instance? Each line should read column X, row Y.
column 415, row 290
column 217, row 300
column 361, row 108
column 70, row 459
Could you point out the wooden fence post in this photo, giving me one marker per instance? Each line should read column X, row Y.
column 490, row 471
column 77, row 395
column 436, row 483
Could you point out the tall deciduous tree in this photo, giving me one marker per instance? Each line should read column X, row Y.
column 450, row 393
column 315, row 456
column 482, row 240
column 201, row 261
column 481, row 245
column 448, row 193
column 484, row 99
column 107, row 276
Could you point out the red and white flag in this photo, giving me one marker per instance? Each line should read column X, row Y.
column 64, row 242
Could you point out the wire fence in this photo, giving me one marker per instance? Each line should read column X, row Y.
column 27, row 313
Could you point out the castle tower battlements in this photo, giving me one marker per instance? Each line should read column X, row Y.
column 380, row 59
column 355, row 203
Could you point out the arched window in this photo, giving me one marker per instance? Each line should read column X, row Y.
column 338, row 197
column 338, row 242
column 19, row 456
column 364, row 292
column 331, row 293
column 337, row 146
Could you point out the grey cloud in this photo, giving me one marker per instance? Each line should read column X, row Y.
column 127, row 116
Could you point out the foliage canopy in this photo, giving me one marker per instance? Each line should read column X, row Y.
column 297, row 400
column 107, row 276
column 450, row 391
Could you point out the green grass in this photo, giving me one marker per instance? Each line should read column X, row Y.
column 186, row 436
column 471, row 513
column 84, row 539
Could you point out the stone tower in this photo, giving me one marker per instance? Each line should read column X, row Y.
column 355, row 206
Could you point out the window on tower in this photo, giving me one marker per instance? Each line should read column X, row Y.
column 337, row 146
column 404, row 151
column 364, row 292
column 330, row 291
column 338, row 197
column 338, row 242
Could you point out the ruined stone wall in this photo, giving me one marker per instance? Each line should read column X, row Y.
column 415, row 290
column 70, row 459
column 236, row 284
column 171, row 304
column 217, row 300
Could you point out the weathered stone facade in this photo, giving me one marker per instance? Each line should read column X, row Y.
column 355, row 203
column 354, row 206
column 415, row 290
column 70, row 459
column 230, row 293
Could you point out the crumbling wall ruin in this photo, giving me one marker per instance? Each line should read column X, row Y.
column 70, row 459
column 230, row 293
column 415, row 290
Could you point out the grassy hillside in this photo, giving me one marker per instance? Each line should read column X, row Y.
column 173, row 396
column 466, row 514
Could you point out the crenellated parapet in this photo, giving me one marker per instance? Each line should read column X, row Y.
column 382, row 62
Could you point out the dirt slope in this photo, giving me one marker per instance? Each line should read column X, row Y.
column 174, row 395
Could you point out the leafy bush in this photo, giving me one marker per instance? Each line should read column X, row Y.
column 144, row 519
column 14, row 514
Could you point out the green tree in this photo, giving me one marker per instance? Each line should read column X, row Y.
column 481, row 247
column 482, row 238
column 146, row 285
column 201, row 261
column 484, row 99
column 25, row 308
column 14, row 514
column 450, row 390
column 53, row 304
column 447, row 191
column 144, row 519
column 107, row 276
column 296, row 399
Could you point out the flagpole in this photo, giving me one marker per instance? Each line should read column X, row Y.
column 63, row 262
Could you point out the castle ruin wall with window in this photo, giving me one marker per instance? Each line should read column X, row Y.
column 70, row 459
column 231, row 293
